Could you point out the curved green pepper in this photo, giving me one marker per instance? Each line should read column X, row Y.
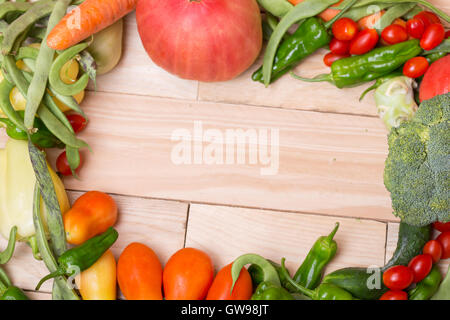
column 257, row 275
column 426, row 288
column 352, row 71
column 325, row 291
column 7, row 290
column 270, row 291
column 41, row 137
column 82, row 257
column 310, row 272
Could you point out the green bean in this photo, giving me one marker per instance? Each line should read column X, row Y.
column 88, row 64
column 9, row 7
column 73, row 158
column 443, row 47
column 38, row 33
column 6, row 107
column 35, row 12
column 359, row 13
column 68, row 101
column 19, row 40
column 278, row 8
column 412, row 13
column 303, row 10
column 3, row 26
column 44, row 61
column 55, row 79
column 27, row 53
column 393, row 13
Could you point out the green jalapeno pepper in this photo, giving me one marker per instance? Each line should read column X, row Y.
column 310, row 272
column 325, row 291
column 41, row 137
column 352, row 71
column 270, row 291
column 7, row 290
column 82, row 257
column 426, row 288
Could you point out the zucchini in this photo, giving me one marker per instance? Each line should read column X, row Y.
column 410, row 243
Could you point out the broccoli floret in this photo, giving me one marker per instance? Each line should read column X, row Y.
column 417, row 171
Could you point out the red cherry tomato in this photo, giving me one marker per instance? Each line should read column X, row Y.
column 415, row 28
column 394, row 34
column 421, row 266
column 345, row 29
column 77, row 121
column 339, row 46
column 364, row 41
column 62, row 165
column 394, row 295
column 428, row 18
column 444, row 240
column 398, row 277
column 442, row 226
column 434, row 249
column 447, row 34
column 331, row 57
column 432, row 37
column 415, row 67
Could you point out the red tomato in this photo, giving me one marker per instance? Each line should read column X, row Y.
column 434, row 249
column 432, row 37
column 339, row 46
column 415, row 67
column 77, row 122
column 344, row 29
column 331, row 57
column 436, row 81
column 398, row 277
column 447, row 34
column 62, row 165
column 442, row 226
column 427, row 17
column 364, row 41
column 201, row 40
column 415, row 28
column 221, row 286
column 444, row 240
column 394, row 34
column 421, row 266
column 394, row 295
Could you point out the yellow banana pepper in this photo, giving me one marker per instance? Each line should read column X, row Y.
column 17, row 181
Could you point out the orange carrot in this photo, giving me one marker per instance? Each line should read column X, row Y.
column 85, row 20
column 327, row 14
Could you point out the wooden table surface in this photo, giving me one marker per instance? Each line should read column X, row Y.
column 332, row 150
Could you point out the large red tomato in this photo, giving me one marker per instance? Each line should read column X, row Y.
column 206, row 40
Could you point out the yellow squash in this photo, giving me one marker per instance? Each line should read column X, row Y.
column 17, row 180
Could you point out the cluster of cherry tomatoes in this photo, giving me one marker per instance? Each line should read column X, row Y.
column 349, row 40
column 399, row 278
column 78, row 124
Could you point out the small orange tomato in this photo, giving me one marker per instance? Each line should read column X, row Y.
column 188, row 275
column 221, row 286
column 139, row 273
column 93, row 213
column 99, row 281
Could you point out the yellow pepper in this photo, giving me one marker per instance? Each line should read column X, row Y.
column 99, row 281
column 17, row 181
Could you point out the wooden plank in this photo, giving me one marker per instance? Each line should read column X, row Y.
column 137, row 74
column 392, row 237
column 328, row 163
column 36, row 295
column 159, row 224
column 227, row 232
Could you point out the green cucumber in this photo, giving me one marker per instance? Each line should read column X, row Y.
column 355, row 280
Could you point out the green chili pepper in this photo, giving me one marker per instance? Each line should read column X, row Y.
column 55, row 79
column 310, row 272
column 426, row 288
column 41, row 136
column 352, row 71
column 325, row 291
column 311, row 35
column 380, row 81
column 257, row 275
column 270, row 291
column 269, row 272
column 82, row 257
column 7, row 290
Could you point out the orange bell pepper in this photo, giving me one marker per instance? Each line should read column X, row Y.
column 91, row 214
column 99, row 281
column 139, row 273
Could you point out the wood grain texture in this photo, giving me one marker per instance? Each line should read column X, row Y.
column 328, row 163
column 156, row 223
column 225, row 233
column 391, row 244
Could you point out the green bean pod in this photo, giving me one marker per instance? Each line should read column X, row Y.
column 7, row 108
column 13, row 7
column 55, row 79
